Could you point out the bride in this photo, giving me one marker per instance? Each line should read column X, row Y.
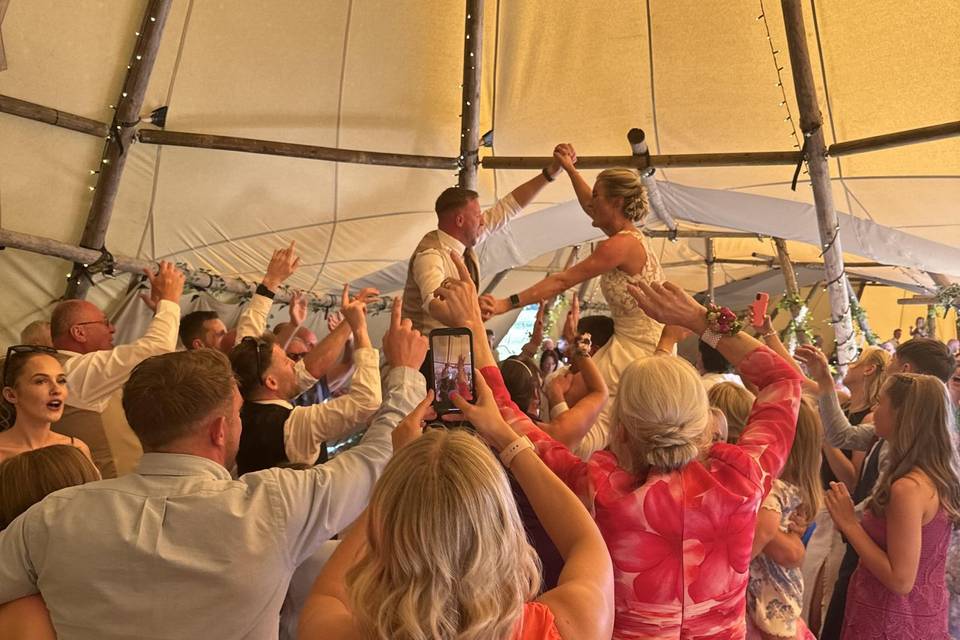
column 616, row 204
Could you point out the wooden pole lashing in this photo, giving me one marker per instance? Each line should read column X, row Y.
column 122, row 132
column 470, row 99
column 815, row 148
column 711, row 261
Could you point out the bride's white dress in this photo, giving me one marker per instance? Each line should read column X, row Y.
column 635, row 336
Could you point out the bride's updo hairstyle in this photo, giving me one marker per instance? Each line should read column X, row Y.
column 625, row 183
column 660, row 415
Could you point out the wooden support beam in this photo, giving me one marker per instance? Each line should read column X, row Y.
column 292, row 150
column 816, row 155
column 32, row 111
column 711, row 262
column 700, row 233
column 793, row 289
column 3, row 56
column 470, row 99
column 122, row 132
column 742, row 159
column 897, row 139
column 125, row 264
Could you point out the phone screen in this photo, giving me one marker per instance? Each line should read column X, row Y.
column 451, row 353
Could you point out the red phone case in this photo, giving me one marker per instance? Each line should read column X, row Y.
column 760, row 308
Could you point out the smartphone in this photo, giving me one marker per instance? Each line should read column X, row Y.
column 451, row 363
column 760, row 309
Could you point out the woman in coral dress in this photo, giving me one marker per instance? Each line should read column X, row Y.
column 678, row 514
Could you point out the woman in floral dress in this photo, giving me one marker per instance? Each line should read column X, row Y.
column 678, row 515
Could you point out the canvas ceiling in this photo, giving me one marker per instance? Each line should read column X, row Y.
column 382, row 75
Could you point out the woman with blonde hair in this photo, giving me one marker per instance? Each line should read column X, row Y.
column 775, row 592
column 616, row 204
column 735, row 402
column 898, row 589
column 677, row 513
column 34, row 393
column 441, row 552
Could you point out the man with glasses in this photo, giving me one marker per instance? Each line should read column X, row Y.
column 96, row 370
column 178, row 549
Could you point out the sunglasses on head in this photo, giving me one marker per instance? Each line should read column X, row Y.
column 22, row 349
column 258, row 345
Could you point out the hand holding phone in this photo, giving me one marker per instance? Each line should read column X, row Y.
column 759, row 308
column 451, row 366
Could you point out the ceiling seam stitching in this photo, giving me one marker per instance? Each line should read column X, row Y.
column 336, row 166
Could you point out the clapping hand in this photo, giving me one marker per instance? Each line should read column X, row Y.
column 840, row 506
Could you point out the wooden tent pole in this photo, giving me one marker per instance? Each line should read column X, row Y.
column 292, row 150
column 645, row 162
column 711, row 260
column 698, row 233
column 897, row 139
column 810, row 124
column 793, row 289
column 470, row 107
column 125, row 264
column 31, row 111
column 122, row 131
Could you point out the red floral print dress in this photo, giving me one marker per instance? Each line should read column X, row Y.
column 680, row 540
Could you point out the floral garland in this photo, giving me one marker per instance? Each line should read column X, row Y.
column 787, row 303
column 948, row 297
column 860, row 315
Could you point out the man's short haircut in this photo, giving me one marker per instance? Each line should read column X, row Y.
column 453, row 198
column 64, row 316
column 929, row 356
column 191, row 326
column 244, row 360
column 713, row 362
column 168, row 395
column 37, row 333
column 600, row 329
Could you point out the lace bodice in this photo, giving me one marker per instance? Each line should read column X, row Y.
column 614, row 283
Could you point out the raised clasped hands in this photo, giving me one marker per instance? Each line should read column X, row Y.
column 564, row 156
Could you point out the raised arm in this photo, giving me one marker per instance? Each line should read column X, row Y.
column 253, row 320
column 322, row 357
column 837, row 429
column 610, row 254
column 567, row 157
column 770, row 429
column 94, row 377
column 582, row 602
column 572, row 425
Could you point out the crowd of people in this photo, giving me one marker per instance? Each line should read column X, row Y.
column 599, row 486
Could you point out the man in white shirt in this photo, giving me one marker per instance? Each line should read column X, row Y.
column 96, row 370
column 461, row 226
column 178, row 549
column 277, row 432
